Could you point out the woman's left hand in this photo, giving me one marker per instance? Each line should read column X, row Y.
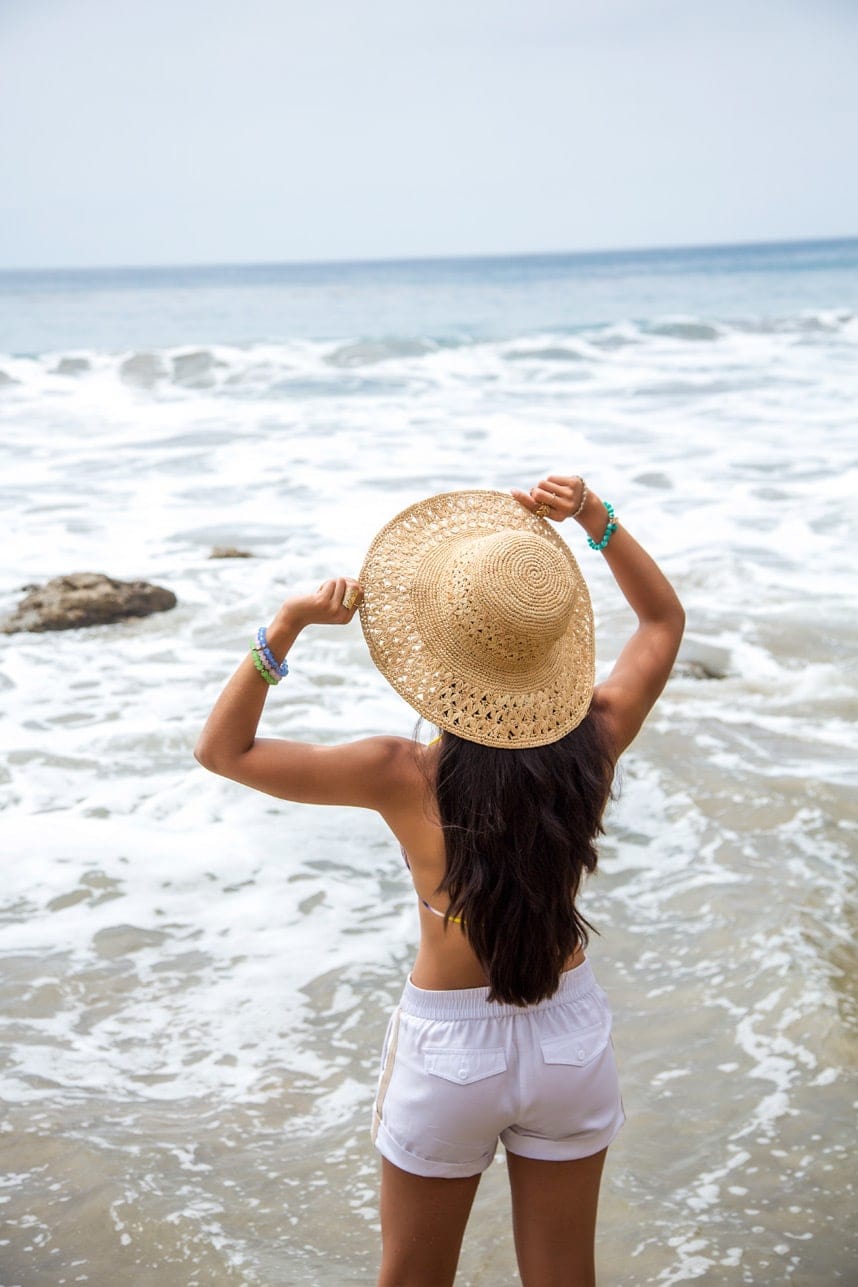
column 333, row 604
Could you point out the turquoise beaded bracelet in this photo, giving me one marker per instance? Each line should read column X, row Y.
column 609, row 530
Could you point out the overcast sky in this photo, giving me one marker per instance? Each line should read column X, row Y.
column 188, row 131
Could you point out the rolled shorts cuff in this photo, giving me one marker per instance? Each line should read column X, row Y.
column 569, row 1150
column 415, row 1165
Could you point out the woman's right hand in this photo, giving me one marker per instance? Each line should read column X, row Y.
column 557, row 497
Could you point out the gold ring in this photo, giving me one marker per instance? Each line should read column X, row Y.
column 350, row 598
column 542, row 510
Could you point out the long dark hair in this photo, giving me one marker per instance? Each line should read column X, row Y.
column 520, row 828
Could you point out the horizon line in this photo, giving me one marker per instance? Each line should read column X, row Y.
column 338, row 261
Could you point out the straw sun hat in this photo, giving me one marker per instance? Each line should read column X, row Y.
column 478, row 615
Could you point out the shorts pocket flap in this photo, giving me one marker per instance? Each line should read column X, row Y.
column 576, row 1047
column 464, row 1066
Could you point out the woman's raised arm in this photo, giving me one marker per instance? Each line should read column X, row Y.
column 363, row 773
column 629, row 693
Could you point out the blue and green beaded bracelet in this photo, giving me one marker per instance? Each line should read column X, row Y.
column 609, row 530
column 280, row 668
column 259, row 663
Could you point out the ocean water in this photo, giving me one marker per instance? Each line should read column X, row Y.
column 195, row 980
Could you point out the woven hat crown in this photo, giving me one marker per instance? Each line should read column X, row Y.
column 477, row 613
column 495, row 603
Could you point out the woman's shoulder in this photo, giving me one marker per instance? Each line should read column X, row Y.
column 404, row 769
column 400, row 759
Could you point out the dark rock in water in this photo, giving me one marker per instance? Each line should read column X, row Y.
column 693, row 670
column 86, row 599
column 7, row 379
column 229, row 552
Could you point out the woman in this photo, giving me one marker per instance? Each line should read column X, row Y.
column 475, row 610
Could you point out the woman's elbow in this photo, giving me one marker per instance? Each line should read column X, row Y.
column 676, row 626
column 680, row 620
column 204, row 754
column 225, row 761
column 669, row 621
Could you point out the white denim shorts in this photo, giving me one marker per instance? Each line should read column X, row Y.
column 459, row 1072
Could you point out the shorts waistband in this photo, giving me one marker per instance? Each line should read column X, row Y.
column 474, row 1003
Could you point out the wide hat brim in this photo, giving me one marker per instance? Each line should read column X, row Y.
column 480, row 703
